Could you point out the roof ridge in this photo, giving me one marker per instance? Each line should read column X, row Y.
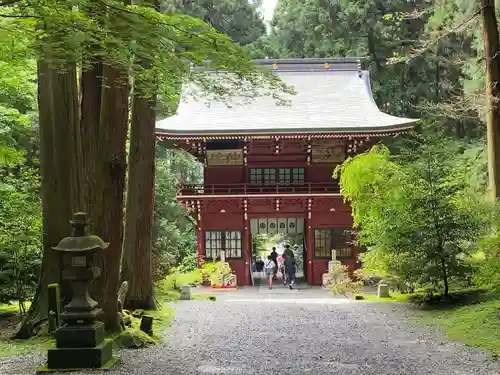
column 312, row 64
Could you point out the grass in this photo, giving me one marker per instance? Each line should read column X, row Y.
column 394, row 297
column 162, row 319
column 475, row 325
column 9, row 318
column 203, row 297
column 475, row 321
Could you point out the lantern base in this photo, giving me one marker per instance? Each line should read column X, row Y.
column 80, row 336
column 71, row 358
column 107, row 366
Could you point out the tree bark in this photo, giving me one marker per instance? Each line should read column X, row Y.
column 445, row 277
column 137, row 246
column 492, row 58
column 106, row 179
column 137, row 260
column 59, row 158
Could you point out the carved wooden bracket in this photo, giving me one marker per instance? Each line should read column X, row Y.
column 309, row 150
column 245, row 208
column 245, row 151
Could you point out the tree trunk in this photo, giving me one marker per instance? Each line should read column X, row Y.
column 445, row 277
column 137, row 260
column 59, row 155
column 492, row 59
column 137, row 245
column 106, row 179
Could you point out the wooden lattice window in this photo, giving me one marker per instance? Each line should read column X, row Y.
column 269, row 176
column 227, row 240
column 285, row 176
column 298, row 175
column 325, row 240
column 255, row 176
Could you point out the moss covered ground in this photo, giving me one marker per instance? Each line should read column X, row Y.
column 475, row 323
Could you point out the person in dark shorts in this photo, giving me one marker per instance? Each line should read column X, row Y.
column 259, row 265
column 274, row 258
column 290, row 270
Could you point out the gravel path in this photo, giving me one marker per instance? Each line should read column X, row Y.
column 251, row 332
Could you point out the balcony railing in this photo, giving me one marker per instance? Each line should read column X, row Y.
column 244, row 189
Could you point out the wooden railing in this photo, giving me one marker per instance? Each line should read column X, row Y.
column 243, row 189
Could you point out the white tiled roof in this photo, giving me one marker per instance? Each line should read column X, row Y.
column 327, row 100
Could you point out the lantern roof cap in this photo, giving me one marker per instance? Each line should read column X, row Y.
column 80, row 241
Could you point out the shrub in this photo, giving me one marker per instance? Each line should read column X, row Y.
column 430, row 300
column 341, row 282
column 175, row 280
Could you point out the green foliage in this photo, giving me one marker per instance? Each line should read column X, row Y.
column 239, row 19
column 487, row 261
column 174, row 232
column 176, row 280
column 20, row 236
column 418, row 68
column 341, row 282
column 133, row 338
column 416, row 212
column 215, row 272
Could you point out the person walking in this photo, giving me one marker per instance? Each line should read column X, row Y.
column 274, row 257
column 290, row 270
column 288, row 251
column 281, row 267
column 269, row 268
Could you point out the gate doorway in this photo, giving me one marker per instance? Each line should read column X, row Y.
column 277, row 232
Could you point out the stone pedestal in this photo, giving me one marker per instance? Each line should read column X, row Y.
column 77, row 358
column 383, row 291
column 185, row 293
column 326, row 279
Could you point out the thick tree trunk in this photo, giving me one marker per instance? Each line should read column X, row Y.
column 106, row 183
column 492, row 59
column 137, row 259
column 59, row 155
column 137, row 246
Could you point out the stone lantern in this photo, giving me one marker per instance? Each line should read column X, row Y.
column 80, row 340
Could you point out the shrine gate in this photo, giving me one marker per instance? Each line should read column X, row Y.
column 268, row 168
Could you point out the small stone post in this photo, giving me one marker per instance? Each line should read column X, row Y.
column 147, row 325
column 222, row 256
column 331, row 263
column 383, row 290
column 54, row 302
column 185, row 293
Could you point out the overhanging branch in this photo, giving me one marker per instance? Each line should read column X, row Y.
column 433, row 42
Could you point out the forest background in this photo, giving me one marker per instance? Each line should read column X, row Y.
column 426, row 60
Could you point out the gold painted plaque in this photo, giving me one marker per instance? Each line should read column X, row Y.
column 331, row 151
column 225, row 157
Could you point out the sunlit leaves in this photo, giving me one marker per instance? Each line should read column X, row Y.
column 416, row 211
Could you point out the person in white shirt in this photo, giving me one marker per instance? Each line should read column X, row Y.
column 269, row 267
